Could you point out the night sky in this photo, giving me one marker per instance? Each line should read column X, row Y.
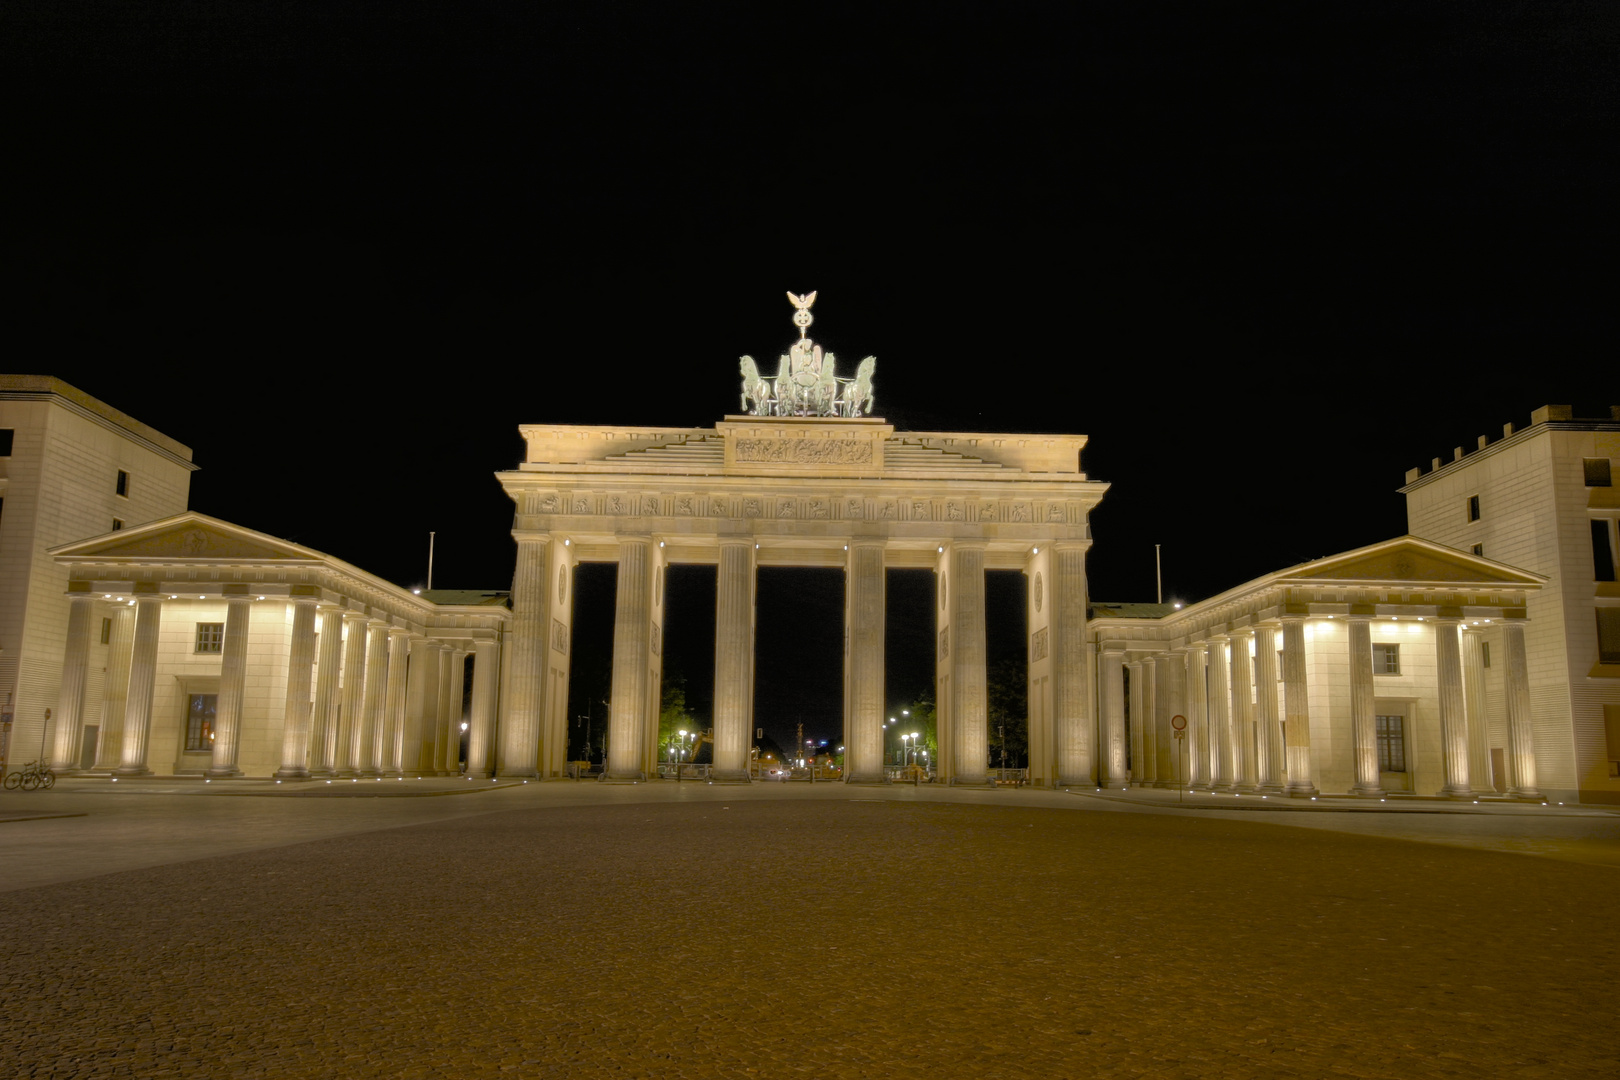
column 1267, row 256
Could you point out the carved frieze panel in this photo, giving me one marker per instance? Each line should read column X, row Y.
column 1037, row 645
column 787, row 508
column 649, row 506
column 618, row 504
column 550, row 503
column 1018, row 511
column 685, row 506
column 855, row 509
column 945, row 643
column 559, row 637
column 920, row 510
column 804, row 451
column 582, row 504
column 657, row 639
column 818, row 508
column 954, row 511
column 889, row 510
column 1037, row 590
column 752, row 507
column 987, row 511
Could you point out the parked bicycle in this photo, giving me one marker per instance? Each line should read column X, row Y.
column 31, row 776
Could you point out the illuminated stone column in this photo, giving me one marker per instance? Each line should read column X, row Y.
column 969, row 685
column 1521, row 736
column 391, row 733
column 1220, row 713
column 1243, row 709
column 1268, row 742
column 323, row 727
column 486, row 688
column 1072, row 716
column 1150, row 722
column 1198, row 771
column 232, row 688
column 1453, row 710
column 1173, row 751
column 1297, row 709
column 1479, row 736
column 632, row 660
column 1115, row 774
column 865, row 595
column 1135, row 669
column 421, row 701
column 142, row 681
column 525, row 692
column 295, row 716
column 734, row 659
column 1363, row 725
column 350, row 726
column 452, row 682
column 368, row 732
column 115, row 688
column 70, row 699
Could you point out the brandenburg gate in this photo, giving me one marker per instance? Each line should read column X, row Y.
column 804, row 477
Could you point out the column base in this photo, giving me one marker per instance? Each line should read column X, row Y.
column 729, row 776
column 1111, row 785
column 1361, row 792
column 132, row 770
column 1301, row 791
column 622, row 778
column 866, row 779
column 984, row 782
column 222, row 772
column 502, row 776
column 1526, row 795
column 291, row 774
column 1449, row 792
column 321, row 774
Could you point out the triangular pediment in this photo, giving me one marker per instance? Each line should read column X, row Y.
column 1411, row 560
column 187, row 536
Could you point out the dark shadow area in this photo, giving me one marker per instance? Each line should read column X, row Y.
column 799, row 653
column 1006, row 640
column 909, row 634
column 590, row 675
column 689, row 647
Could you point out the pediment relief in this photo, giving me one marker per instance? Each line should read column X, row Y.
column 1415, row 562
column 187, row 540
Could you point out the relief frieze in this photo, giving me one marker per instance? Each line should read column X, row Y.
column 804, row 451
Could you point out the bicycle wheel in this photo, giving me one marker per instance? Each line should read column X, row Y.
column 48, row 781
column 13, row 781
column 30, row 782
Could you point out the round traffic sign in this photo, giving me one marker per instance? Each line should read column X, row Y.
column 1178, row 722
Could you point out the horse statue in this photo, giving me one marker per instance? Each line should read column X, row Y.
column 858, row 398
column 824, row 395
column 756, row 392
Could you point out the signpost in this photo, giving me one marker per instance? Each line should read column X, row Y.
column 1179, row 722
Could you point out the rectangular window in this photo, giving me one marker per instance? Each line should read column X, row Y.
column 1473, row 508
column 210, row 637
column 1602, row 551
column 200, row 723
column 106, row 631
column 123, row 483
column 1597, row 472
column 1391, row 743
column 1386, row 659
column 1478, row 549
column 6, row 435
column 1608, row 620
column 117, row 524
column 1484, row 654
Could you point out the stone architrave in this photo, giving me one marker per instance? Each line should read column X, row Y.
column 734, row 660
column 75, row 682
column 295, row 719
column 115, row 688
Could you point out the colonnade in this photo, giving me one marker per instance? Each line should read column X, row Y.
column 364, row 697
column 1239, row 740
column 963, row 725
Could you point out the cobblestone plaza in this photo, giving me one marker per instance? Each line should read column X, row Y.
column 780, row 930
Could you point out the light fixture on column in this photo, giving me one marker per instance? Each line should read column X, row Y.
column 1037, row 551
column 567, row 542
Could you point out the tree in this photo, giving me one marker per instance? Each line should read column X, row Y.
column 1008, row 708
column 673, row 715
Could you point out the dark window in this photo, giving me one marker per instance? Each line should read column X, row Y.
column 210, row 637
column 200, row 722
column 6, row 435
column 1478, row 549
column 1484, row 654
column 1602, row 552
column 1473, row 508
column 1386, row 659
column 123, row 482
column 1608, row 635
column 1391, row 744
column 117, row 524
column 1597, row 472
column 106, row 631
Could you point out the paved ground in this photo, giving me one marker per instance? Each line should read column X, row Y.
column 571, row 930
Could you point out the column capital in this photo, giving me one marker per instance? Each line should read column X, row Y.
column 1241, row 632
column 1293, row 617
